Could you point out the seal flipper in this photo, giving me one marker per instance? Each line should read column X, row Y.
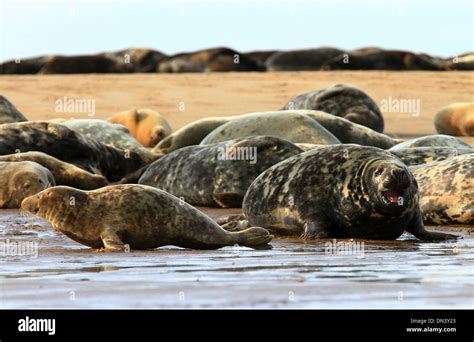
column 314, row 230
column 233, row 222
column 112, row 241
column 254, row 236
column 417, row 228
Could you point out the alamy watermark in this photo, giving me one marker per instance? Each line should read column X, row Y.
column 409, row 106
column 238, row 153
column 349, row 247
column 69, row 105
column 18, row 248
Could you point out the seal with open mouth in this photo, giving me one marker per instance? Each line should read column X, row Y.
column 140, row 216
column 339, row 191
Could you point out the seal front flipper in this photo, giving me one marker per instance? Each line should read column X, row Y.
column 111, row 241
column 314, row 230
column 417, row 228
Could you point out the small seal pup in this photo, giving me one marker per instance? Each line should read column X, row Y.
column 447, row 190
column 20, row 180
column 139, row 216
column 147, row 126
column 64, row 173
column 456, row 119
column 339, row 191
column 217, row 175
column 191, row 134
column 9, row 113
column 342, row 100
column 67, row 145
column 435, row 140
column 424, row 155
column 288, row 125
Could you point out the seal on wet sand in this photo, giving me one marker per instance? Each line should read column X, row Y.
column 447, row 190
column 139, row 216
column 456, row 119
column 67, row 145
column 340, row 191
column 146, row 125
column 20, row 180
column 288, row 125
column 64, row 173
column 342, row 100
column 435, row 140
column 218, row 174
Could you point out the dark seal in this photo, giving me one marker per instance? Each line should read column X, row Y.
column 342, row 100
column 139, row 216
column 340, row 191
column 217, row 175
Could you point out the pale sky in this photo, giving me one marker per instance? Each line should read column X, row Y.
column 34, row 27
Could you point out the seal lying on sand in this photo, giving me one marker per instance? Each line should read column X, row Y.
column 349, row 132
column 456, row 119
column 447, row 190
column 306, row 59
column 9, row 113
column 107, row 133
column 136, row 215
column 435, row 140
column 69, row 146
column 20, row 180
column 288, row 125
column 146, row 125
column 218, row 174
column 64, row 173
column 425, row 155
column 191, row 134
column 340, row 191
column 342, row 100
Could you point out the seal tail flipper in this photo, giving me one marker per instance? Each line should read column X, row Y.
column 254, row 236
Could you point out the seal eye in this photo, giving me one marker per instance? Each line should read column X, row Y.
column 378, row 172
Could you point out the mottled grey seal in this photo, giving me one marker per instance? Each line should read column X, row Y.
column 136, row 59
column 305, row 59
column 139, row 216
column 9, row 113
column 456, row 119
column 435, row 140
column 191, row 134
column 20, row 180
column 447, row 190
column 288, row 125
column 349, row 132
column 67, row 145
column 217, row 174
column 64, row 173
column 424, row 155
column 342, row 100
column 107, row 133
column 339, row 191
column 146, row 125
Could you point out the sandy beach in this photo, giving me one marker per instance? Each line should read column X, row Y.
column 398, row 274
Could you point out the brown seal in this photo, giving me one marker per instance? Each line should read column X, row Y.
column 456, row 119
column 146, row 125
column 136, row 215
column 20, row 180
column 64, row 173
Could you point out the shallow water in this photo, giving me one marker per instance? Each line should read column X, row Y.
column 292, row 274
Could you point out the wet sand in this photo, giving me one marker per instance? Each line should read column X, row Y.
column 293, row 274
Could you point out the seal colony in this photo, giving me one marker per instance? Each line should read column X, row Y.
column 130, row 182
